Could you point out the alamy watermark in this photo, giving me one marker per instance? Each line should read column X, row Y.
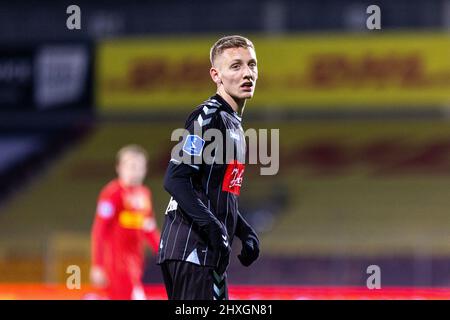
column 73, row 281
column 373, row 22
column 213, row 147
column 73, row 21
column 374, row 280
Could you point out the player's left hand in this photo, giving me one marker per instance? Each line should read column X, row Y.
column 250, row 251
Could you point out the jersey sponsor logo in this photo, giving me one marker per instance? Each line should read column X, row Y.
column 131, row 219
column 105, row 209
column 193, row 145
column 232, row 180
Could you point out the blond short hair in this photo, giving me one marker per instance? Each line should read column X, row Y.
column 228, row 42
column 131, row 148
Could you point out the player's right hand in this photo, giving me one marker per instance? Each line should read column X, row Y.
column 98, row 277
column 218, row 238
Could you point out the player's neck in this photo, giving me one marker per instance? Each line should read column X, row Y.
column 238, row 105
column 126, row 184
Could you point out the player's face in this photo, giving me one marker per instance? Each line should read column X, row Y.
column 237, row 72
column 132, row 168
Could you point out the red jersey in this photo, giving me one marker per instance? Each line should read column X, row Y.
column 123, row 222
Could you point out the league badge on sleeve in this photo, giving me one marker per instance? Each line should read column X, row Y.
column 193, row 145
column 105, row 209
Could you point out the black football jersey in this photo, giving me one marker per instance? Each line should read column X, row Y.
column 204, row 180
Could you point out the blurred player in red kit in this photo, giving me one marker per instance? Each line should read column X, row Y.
column 124, row 221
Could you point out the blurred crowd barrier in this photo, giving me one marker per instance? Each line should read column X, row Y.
column 307, row 71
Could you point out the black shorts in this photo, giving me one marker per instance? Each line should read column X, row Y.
column 188, row 281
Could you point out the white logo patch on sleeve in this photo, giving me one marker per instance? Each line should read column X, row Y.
column 105, row 209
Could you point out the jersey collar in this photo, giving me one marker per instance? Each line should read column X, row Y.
column 225, row 106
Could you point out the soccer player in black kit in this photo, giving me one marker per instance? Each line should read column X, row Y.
column 202, row 217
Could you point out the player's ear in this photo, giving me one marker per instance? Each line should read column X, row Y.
column 215, row 75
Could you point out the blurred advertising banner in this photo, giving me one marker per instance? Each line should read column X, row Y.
column 44, row 77
column 61, row 75
column 16, row 78
column 325, row 71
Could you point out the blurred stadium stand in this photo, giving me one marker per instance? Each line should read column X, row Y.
column 32, row 21
column 357, row 186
